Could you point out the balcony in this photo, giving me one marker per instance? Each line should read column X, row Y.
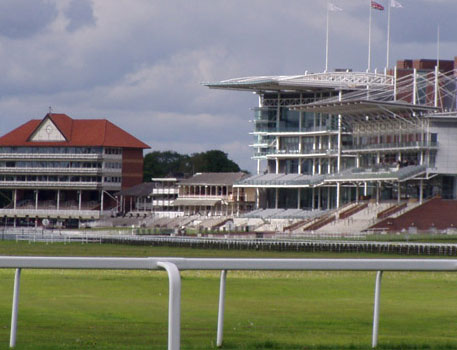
column 391, row 146
column 52, row 213
column 165, row 191
column 303, row 153
column 56, row 185
column 47, row 171
column 52, row 156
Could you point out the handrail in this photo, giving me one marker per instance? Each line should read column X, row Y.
column 174, row 265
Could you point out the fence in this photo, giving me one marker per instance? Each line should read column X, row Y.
column 173, row 266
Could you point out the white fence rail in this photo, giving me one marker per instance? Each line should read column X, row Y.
column 173, row 266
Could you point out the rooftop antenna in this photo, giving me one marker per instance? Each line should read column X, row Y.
column 50, row 110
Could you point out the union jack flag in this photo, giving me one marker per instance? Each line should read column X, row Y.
column 376, row 6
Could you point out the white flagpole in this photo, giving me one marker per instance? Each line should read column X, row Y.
column 326, row 42
column 369, row 39
column 388, row 35
column 438, row 47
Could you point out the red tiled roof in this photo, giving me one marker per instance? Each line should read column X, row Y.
column 77, row 132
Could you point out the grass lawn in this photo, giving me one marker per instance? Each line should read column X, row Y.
column 75, row 309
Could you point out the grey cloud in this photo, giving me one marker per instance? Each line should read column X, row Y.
column 24, row 18
column 80, row 14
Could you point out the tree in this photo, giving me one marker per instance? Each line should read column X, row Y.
column 171, row 163
column 213, row 161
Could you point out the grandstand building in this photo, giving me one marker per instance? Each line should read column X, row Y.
column 60, row 170
column 213, row 194
column 322, row 140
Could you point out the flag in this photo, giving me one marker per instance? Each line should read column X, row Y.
column 332, row 7
column 395, row 3
column 376, row 6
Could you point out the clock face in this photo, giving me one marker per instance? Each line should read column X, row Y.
column 49, row 129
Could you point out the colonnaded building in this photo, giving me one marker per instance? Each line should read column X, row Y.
column 326, row 139
column 65, row 170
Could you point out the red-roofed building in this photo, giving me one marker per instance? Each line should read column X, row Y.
column 66, row 170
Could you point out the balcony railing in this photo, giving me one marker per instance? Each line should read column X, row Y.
column 53, row 156
column 56, row 184
column 395, row 146
column 91, row 171
column 43, row 213
column 165, row 191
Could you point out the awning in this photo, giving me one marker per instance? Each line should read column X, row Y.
column 195, row 202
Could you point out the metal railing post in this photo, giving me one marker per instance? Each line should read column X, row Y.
column 174, row 305
column 220, row 316
column 17, row 283
column 377, row 296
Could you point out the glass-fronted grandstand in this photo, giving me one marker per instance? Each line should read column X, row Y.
column 323, row 140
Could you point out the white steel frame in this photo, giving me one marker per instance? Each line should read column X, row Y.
column 173, row 266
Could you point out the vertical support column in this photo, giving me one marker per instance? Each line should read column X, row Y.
column 277, row 166
column 313, row 197
column 378, row 190
column 220, row 315
column 414, row 86
column 328, row 197
column 298, row 198
column 395, row 83
column 15, row 198
column 58, row 199
column 436, row 86
column 174, row 305
column 36, row 199
column 338, row 193
column 377, row 296
column 365, row 188
column 421, row 191
column 276, row 198
column 80, row 197
column 17, row 283
column 257, row 198
column 101, row 201
column 340, row 127
column 398, row 192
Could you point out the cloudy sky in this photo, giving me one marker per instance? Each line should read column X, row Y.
column 140, row 63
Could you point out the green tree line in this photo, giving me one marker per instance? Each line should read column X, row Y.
column 171, row 163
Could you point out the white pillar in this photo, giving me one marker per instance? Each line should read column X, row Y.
column 79, row 200
column 58, row 199
column 15, row 198
column 220, row 316
column 17, row 284
column 36, row 199
column 377, row 297
column 276, row 197
column 298, row 198
column 174, row 305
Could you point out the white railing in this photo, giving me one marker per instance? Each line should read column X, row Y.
column 165, row 191
column 54, row 184
column 173, row 266
column 52, row 156
column 24, row 170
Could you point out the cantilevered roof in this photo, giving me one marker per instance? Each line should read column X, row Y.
column 195, row 202
column 281, row 180
column 378, row 174
column 364, row 107
column 226, row 179
column 307, row 82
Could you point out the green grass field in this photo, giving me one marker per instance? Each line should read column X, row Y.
column 264, row 310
